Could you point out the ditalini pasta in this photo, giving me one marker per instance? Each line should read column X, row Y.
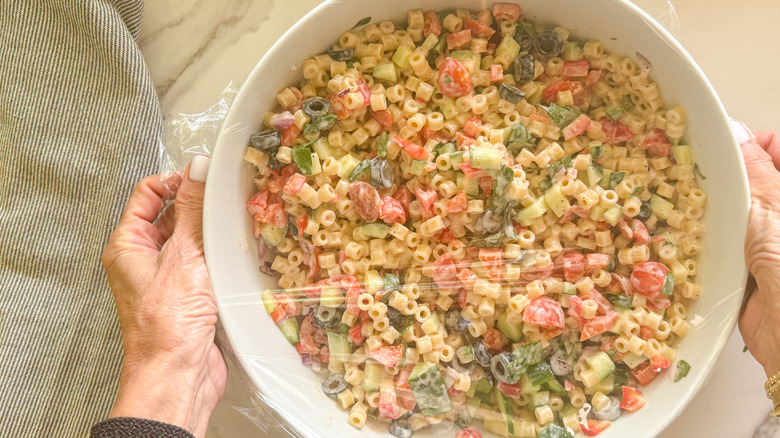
column 478, row 219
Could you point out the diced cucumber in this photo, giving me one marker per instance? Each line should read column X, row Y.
column 616, row 178
column 322, row 148
column 456, row 158
column 506, row 411
column 348, row 163
column 372, row 374
column 532, row 212
column 601, row 363
column 401, row 56
column 569, row 288
column 385, row 72
column 535, row 97
column 376, row 230
column 541, row 398
column 661, row 207
column 417, row 167
column 508, row 48
column 682, row 154
column 272, row 235
column 614, row 214
column 633, row 360
column 289, row 328
column 464, row 55
column 511, row 331
column 556, row 200
column 373, row 282
column 429, row 389
column 605, row 386
column 526, row 387
column 555, row 387
column 331, row 296
column 594, row 175
column 483, row 386
column 445, row 148
column 339, row 347
column 572, row 51
column 604, row 183
column 269, row 302
column 485, row 158
column 472, row 186
column 448, row 108
column 540, row 374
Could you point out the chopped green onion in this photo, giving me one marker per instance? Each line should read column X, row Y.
column 596, row 152
column 616, row 178
column 614, row 111
column 540, row 373
column 683, row 368
column 365, row 164
column 698, row 171
column 627, row 103
column 381, row 145
column 668, row 284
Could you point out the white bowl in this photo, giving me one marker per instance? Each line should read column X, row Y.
column 291, row 388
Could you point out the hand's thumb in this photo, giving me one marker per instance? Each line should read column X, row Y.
column 189, row 198
column 758, row 163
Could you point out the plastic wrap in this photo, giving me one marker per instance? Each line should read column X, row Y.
column 528, row 307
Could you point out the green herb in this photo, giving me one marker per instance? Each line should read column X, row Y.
column 386, row 297
column 381, row 145
column 362, row 22
column 527, row 355
column 350, row 65
column 491, row 241
column 627, row 103
column 637, row 191
column 614, row 111
column 668, row 284
column 596, row 152
column 562, row 115
column 611, row 353
column 553, row 430
column 616, row 178
column 344, row 329
column 683, row 368
column 698, row 171
column 301, row 156
column 540, row 373
column 545, row 185
column 520, row 138
column 621, row 377
column 620, row 300
column 391, row 282
column 360, row 168
column 500, row 207
column 744, row 349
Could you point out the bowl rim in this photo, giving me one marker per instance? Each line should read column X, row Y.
column 663, row 34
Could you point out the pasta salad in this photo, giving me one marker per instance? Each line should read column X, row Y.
column 477, row 217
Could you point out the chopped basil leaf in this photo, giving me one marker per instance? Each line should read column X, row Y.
column 668, row 285
column 616, row 178
column 562, row 115
column 698, row 171
column 391, row 282
column 637, row 191
column 744, row 349
column 553, row 430
column 620, row 300
column 526, row 28
column 362, row 22
column 381, row 145
column 505, row 176
column 545, row 184
column 683, row 368
column 301, row 156
column 363, row 165
column 520, row 138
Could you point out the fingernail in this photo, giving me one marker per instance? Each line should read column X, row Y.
column 199, row 168
column 740, row 131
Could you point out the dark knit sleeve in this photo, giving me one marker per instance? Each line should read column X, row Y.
column 136, row 428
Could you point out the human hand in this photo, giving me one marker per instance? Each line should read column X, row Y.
column 759, row 321
column 172, row 371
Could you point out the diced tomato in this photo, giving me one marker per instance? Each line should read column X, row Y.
column 414, row 150
column 402, row 379
column 290, row 134
column 463, row 297
column 434, row 135
column 426, row 198
column 392, row 211
column 496, row 73
column 366, row 200
column 509, row 390
column 632, row 399
column 406, row 399
column 445, row 236
column 471, row 127
column 641, row 235
column 597, row 325
column 467, row 277
column 340, row 108
column 492, row 259
column 656, row 142
column 486, row 184
column 646, row 332
column 593, row 77
column 508, row 11
column 454, row 79
column 457, row 203
column 575, row 307
column 577, row 127
column 301, row 223
column 432, row 24
column 659, row 304
column 594, row 427
column 576, row 69
column 468, row 432
column 647, row 279
column 609, row 344
column 388, row 356
column 279, row 315
column 445, row 273
column 356, row 334
column 325, row 354
column 536, row 272
column 550, row 92
column 478, row 28
column 273, row 214
column 595, row 261
column 404, row 197
column 602, row 302
column 471, row 172
column 659, row 363
column 616, row 132
column 544, row 311
column 464, row 140
column 383, row 117
column 493, row 340
column 257, row 203
column 388, row 405
column 310, row 258
column 573, row 265
column 625, row 229
column 456, row 40
column 644, row 373
column 295, row 183
column 575, row 210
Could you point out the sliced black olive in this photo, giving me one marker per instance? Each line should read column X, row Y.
column 327, row 317
column 524, row 68
column 381, row 174
column 315, row 107
column 455, row 323
column 490, row 222
column 548, row 43
column 611, row 412
column 467, row 368
column 644, row 211
column 401, row 428
column 481, row 354
column 334, row 385
column 342, row 55
column 267, row 140
column 525, row 40
column 560, row 364
column 499, row 367
column 510, row 93
column 395, row 318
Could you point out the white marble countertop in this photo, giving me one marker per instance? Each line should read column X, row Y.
column 194, row 48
